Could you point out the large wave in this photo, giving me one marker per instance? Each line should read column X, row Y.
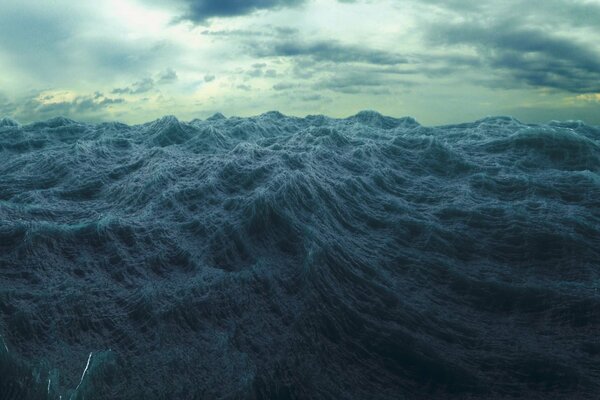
column 280, row 257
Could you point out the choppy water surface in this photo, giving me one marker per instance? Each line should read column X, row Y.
column 277, row 258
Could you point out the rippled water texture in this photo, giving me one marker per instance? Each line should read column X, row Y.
column 279, row 258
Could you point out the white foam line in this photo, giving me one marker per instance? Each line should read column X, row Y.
column 48, row 385
column 84, row 371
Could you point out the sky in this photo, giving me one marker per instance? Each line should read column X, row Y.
column 440, row 62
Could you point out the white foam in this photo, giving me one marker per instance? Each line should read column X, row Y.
column 84, row 371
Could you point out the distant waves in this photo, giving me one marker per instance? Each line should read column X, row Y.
column 290, row 258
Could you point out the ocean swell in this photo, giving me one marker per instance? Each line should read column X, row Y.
column 280, row 257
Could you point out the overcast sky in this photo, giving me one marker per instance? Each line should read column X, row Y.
column 438, row 61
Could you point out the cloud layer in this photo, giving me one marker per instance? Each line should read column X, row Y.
column 440, row 61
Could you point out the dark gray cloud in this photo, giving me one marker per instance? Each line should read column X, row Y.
column 166, row 77
column 199, row 11
column 145, row 85
column 254, row 73
column 226, row 33
column 142, row 86
column 283, row 86
column 276, row 32
column 331, row 51
column 353, row 82
column 433, row 66
column 538, row 58
column 311, row 97
column 258, row 70
column 548, row 14
column 539, row 43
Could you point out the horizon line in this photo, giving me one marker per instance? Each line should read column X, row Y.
column 6, row 119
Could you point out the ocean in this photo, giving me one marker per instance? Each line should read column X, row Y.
column 276, row 257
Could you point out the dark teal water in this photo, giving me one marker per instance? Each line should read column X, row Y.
column 285, row 258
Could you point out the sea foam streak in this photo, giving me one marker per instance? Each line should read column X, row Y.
column 281, row 257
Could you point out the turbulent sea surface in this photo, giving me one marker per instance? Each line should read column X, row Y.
column 292, row 258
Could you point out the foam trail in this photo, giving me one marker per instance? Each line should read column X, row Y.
column 84, row 372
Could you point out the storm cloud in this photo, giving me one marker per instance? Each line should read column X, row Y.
column 332, row 51
column 517, row 50
column 529, row 55
column 201, row 10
